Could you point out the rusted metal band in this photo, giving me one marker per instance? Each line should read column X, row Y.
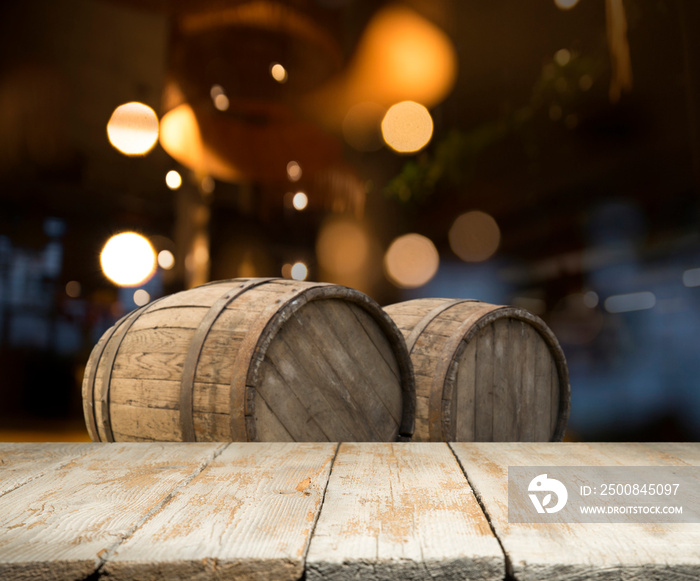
column 110, row 356
column 246, row 366
column 195, row 350
column 89, row 394
column 473, row 322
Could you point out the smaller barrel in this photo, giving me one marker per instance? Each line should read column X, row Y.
column 483, row 372
column 252, row 360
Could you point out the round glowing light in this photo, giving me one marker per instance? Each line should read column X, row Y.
column 215, row 91
column 287, row 270
column 221, row 102
column 299, row 271
column 133, row 128
column 300, row 201
column 128, row 259
column 562, row 57
column 278, row 72
column 293, row 171
column 173, row 179
column 141, row 297
column 342, row 246
column 407, row 127
column 73, row 289
column 565, row 4
column 166, row 259
column 474, row 236
column 411, row 261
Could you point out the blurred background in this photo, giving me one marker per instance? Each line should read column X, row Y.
column 544, row 154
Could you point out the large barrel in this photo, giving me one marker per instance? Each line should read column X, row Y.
column 483, row 372
column 252, row 360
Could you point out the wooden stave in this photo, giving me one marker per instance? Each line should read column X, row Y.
column 269, row 324
column 443, row 372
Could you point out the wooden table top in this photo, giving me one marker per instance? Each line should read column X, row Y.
column 320, row 510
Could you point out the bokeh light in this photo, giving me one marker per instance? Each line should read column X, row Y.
column 133, row 128
column 407, row 127
column 128, row 259
column 342, row 246
column 411, row 261
column 278, row 72
column 73, row 289
column 221, row 102
column 565, row 4
column 173, row 179
column 166, row 259
column 207, row 184
column 300, row 201
column 141, row 297
column 299, row 271
column 293, row 171
column 474, row 236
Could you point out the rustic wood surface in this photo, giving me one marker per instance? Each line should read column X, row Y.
column 252, row 360
column 597, row 551
column 401, row 511
column 200, row 511
column 484, row 373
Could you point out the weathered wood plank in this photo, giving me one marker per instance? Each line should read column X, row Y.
column 484, row 397
column 64, row 524
column 581, row 551
column 464, row 420
column 401, row 511
column 249, row 515
column 22, row 463
column 528, row 425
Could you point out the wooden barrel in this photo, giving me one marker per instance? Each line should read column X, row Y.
column 483, row 372
column 252, row 360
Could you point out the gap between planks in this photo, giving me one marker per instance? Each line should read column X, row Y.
column 509, row 565
column 104, row 557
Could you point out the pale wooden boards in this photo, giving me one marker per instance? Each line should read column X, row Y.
column 249, row 515
column 244, row 511
column 583, row 550
column 401, row 511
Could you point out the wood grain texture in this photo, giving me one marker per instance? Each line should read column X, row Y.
column 22, row 463
column 516, row 376
column 64, row 524
column 582, row 551
column 401, row 511
column 325, row 361
column 248, row 515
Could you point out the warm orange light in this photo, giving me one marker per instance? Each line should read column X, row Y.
column 180, row 137
column 300, row 201
column 294, row 171
column 342, row 246
column 278, row 72
column 173, row 179
column 411, row 261
column 401, row 56
column 133, row 128
column 474, row 236
column 407, row 127
column 128, row 259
